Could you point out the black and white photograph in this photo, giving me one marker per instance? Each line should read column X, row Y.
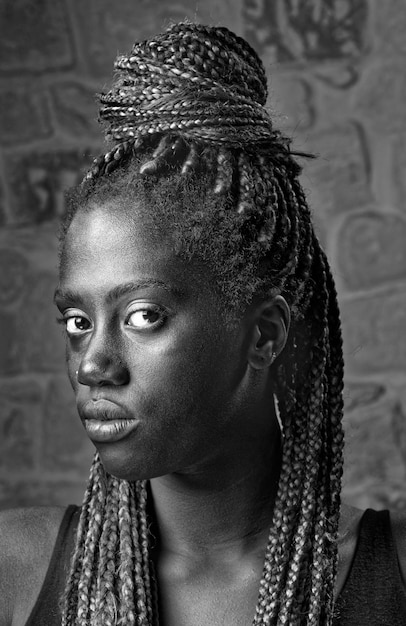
column 202, row 313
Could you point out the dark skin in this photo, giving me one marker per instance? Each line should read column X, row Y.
column 148, row 337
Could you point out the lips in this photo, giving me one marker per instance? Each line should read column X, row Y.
column 105, row 421
column 104, row 410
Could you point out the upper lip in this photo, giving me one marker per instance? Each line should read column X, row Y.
column 104, row 409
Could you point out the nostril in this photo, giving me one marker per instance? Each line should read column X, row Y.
column 100, row 371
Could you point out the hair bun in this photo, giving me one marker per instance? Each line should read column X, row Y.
column 200, row 81
column 208, row 53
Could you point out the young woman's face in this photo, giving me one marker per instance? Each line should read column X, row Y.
column 157, row 372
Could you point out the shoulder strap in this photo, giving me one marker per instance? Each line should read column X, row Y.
column 373, row 593
column 46, row 609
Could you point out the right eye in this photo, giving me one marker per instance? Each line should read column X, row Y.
column 76, row 323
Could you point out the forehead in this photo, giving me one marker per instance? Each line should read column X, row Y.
column 105, row 226
column 110, row 243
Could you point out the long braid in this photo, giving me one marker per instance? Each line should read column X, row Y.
column 126, row 608
column 106, row 600
column 91, row 548
column 79, row 567
column 144, row 541
column 188, row 101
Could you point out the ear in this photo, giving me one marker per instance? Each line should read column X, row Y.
column 270, row 327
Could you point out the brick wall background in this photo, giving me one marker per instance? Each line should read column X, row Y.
column 337, row 85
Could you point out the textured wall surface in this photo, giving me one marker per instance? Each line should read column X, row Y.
column 337, row 86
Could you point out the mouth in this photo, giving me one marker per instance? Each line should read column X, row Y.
column 105, row 421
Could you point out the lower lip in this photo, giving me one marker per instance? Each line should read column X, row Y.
column 109, row 430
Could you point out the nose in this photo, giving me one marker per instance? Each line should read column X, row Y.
column 102, row 364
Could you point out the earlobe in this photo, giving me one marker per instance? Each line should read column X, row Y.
column 271, row 320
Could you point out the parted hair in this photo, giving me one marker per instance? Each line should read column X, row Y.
column 187, row 114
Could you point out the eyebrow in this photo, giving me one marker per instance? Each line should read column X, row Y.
column 126, row 288
column 117, row 292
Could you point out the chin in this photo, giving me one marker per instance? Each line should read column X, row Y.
column 130, row 469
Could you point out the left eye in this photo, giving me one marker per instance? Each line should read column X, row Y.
column 77, row 325
column 145, row 318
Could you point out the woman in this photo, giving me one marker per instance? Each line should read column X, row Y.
column 204, row 349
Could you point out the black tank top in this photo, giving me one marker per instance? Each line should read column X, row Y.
column 373, row 594
column 46, row 611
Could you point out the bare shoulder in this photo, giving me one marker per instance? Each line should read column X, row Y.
column 27, row 539
column 25, row 531
column 348, row 530
column 350, row 518
column 398, row 523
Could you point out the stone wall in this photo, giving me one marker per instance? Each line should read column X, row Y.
column 337, row 86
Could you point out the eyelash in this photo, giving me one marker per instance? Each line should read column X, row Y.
column 151, row 309
column 163, row 315
column 65, row 319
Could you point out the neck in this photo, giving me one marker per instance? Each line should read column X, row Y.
column 225, row 505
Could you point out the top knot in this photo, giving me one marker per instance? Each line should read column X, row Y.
column 204, row 83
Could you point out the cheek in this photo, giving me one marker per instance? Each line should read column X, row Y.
column 71, row 367
column 193, row 381
column 167, row 380
column 73, row 357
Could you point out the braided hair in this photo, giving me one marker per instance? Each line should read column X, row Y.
column 186, row 113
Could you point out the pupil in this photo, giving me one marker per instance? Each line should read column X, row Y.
column 150, row 316
column 80, row 323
